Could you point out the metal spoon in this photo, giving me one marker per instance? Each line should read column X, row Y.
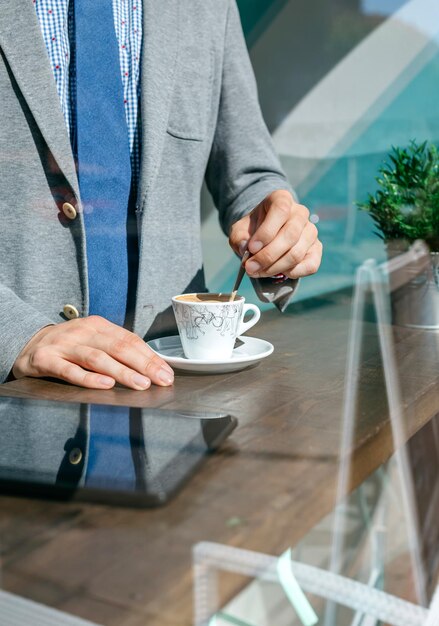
column 240, row 276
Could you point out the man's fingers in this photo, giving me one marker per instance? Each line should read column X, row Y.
column 46, row 361
column 279, row 213
column 240, row 234
column 101, row 363
column 284, row 253
column 128, row 349
column 73, row 373
column 310, row 263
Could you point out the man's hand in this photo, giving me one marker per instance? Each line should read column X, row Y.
column 280, row 237
column 92, row 352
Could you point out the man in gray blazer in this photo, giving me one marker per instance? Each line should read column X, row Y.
column 199, row 120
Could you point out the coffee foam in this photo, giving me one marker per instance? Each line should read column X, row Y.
column 206, row 298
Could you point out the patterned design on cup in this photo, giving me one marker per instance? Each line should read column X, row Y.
column 196, row 321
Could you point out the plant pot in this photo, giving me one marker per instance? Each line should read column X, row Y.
column 416, row 304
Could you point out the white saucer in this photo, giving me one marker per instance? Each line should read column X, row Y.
column 249, row 352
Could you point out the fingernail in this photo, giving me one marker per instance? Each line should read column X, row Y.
column 243, row 247
column 106, row 380
column 255, row 246
column 252, row 267
column 141, row 381
column 165, row 377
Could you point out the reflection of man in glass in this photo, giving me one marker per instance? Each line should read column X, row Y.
column 100, row 196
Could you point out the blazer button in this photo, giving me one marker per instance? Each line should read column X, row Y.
column 69, row 210
column 70, row 311
column 75, row 456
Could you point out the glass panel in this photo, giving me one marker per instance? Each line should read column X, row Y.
column 296, row 482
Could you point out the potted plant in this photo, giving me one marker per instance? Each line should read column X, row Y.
column 405, row 208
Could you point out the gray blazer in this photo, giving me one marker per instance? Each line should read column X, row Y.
column 200, row 120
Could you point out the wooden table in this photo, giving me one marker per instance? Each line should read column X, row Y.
column 264, row 490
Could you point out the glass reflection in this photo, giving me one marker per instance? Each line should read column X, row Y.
column 103, row 453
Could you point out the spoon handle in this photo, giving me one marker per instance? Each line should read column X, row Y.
column 240, row 276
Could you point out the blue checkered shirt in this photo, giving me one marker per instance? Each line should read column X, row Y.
column 56, row 22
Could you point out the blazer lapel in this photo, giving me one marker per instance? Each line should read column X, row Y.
column 23, row 46
column 159, row 55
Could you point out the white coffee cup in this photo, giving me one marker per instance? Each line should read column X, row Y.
column 209, row 324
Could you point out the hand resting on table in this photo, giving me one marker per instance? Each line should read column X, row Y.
column 92, row 352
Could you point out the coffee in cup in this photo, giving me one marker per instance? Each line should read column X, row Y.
column 209, row 323
column 203, row 297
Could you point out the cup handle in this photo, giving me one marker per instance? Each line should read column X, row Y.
column 245, row 326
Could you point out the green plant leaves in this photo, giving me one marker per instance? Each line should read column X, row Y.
column 406, row 204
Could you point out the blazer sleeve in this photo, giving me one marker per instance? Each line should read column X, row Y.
column 20, row 322
column 243, row 167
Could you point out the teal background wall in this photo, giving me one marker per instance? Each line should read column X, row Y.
column 340, row 82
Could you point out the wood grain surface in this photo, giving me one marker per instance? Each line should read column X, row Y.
column 271, row 482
